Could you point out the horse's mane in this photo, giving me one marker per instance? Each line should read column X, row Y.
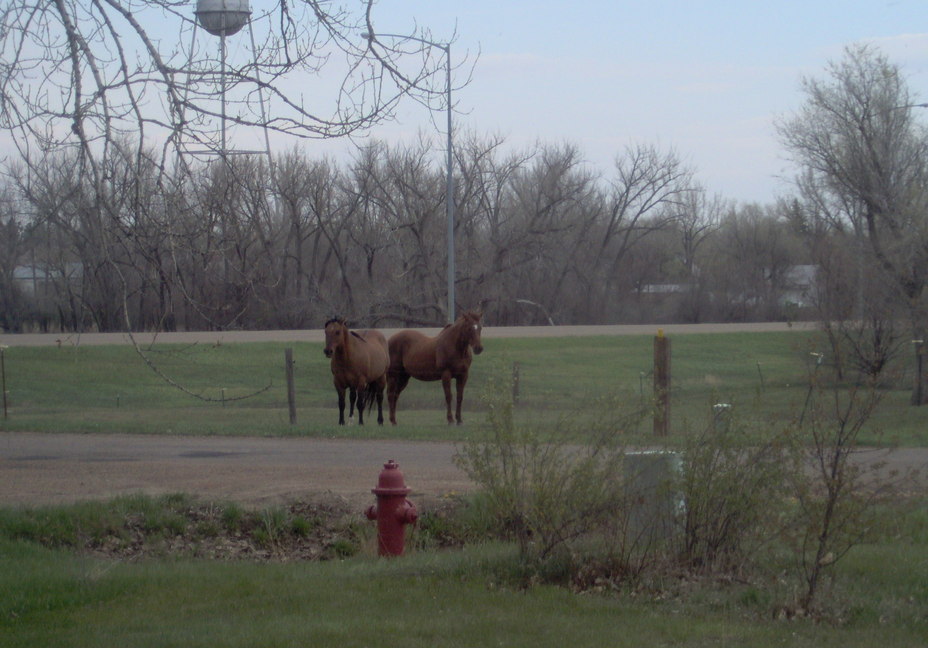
column 342, row 321
column 463, row 318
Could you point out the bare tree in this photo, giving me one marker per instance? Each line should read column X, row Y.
column 490, row 244
column 79, row 73
column 105, row 81
column 555, row 202
column 696, row 220
column 295, row 178
column 750, row 260
column 12, row 237
column 647, row 190
column 861, row 318
column 857, row 139
column 407, row 196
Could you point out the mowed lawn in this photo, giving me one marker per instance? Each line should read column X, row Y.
column 425, row 600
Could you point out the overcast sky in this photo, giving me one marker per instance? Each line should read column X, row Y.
column 707, row 78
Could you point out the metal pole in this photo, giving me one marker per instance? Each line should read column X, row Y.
column 449, row 194
column 222, row 91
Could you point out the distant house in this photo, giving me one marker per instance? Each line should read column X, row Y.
column 32, row 279
column 799, row 286
column 664, row 289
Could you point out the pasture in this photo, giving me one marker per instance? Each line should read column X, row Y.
column 240, row 389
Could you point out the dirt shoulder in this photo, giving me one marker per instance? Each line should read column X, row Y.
column 38, row 468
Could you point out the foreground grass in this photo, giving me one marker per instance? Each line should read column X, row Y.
column 475, row 596
column 240, row 388
column 50, row 598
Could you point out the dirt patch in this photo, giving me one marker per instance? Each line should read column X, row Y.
column 297, row 531
column 138, row 527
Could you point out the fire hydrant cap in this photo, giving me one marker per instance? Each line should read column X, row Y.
column 391, row 481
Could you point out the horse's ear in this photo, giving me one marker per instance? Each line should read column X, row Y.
column 336, row 319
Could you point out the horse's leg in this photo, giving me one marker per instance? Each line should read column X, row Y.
column 341, row 404
column 352, row 396
column 459, row 383
column 361, row 393
column 396, row 383
column 446, row 385
column 379, row 387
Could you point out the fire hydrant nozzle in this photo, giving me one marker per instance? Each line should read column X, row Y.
column 392, row 510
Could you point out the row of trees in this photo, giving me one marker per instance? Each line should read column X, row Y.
column 102, row 232
column 240, row 243
column 863, row 186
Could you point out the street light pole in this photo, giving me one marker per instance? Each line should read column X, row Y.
column 449, row 187
column 449, row 191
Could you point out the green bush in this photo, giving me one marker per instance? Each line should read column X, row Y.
column 579, row 513
column 552, row 495
column 232, row 516
column 733, row 482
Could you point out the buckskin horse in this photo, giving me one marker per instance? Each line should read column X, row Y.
column 443, row 357
column 359, row 364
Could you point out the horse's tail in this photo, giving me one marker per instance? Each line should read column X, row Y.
column 371, row 396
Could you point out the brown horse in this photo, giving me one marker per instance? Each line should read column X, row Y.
column 446, row 356
column 359, row 364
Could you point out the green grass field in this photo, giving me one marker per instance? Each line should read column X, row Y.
column 53, row 598
column 110, row 389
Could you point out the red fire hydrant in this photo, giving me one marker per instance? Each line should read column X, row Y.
column 392, row 510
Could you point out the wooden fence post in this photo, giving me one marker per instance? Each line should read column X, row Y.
column 291, row 390
column 515, row 382
column 918, row 389
column 3, row 348
column 661, row 384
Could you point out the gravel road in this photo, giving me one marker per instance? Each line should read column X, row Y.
column 317, row 335
column 39, row 468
